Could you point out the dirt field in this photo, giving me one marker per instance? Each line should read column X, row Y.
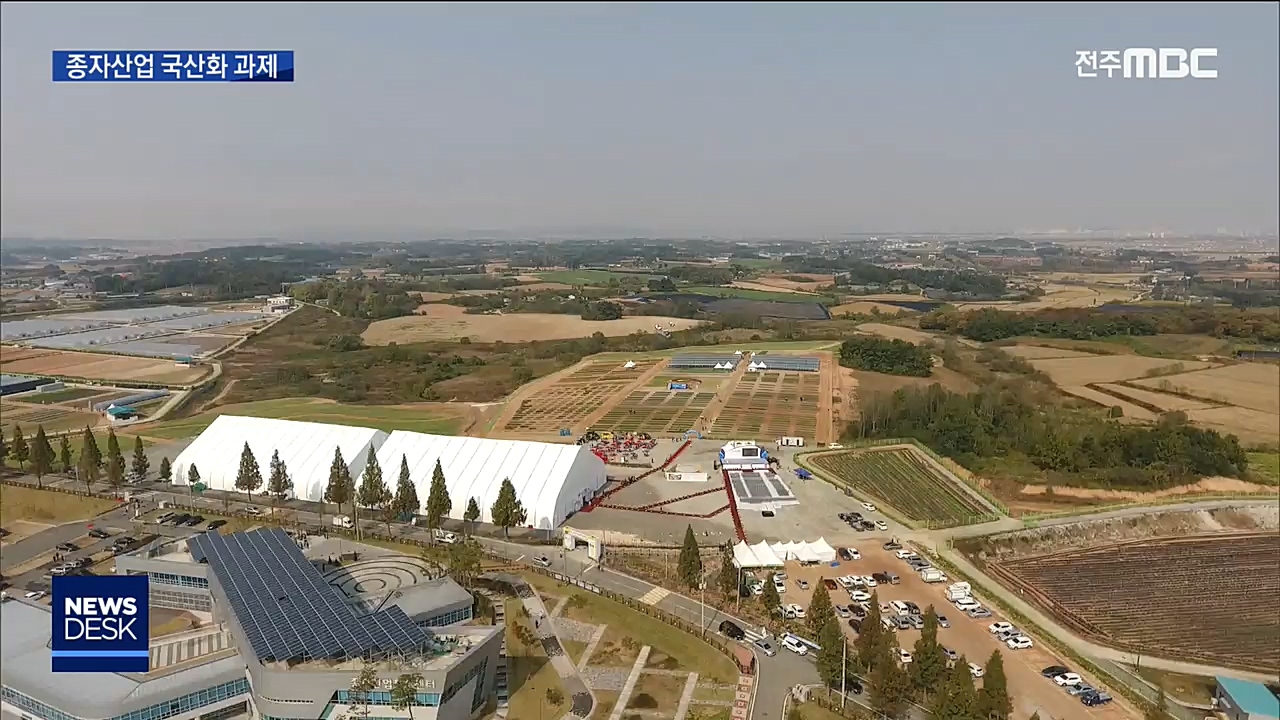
column 1094, row 278
column 868, row 383
column 788, row 288
column 1130, row 410
column 894, row 332
column 449, row 322
column 1077, row 371
column 1249, row 385
column 1163, row 401
column 54, row 418
column 542, row 286
column 1251, row 426
column 428, row 296
column 865, row 308
column 1204, row 486
column 571, row 398
column 1037, row 352
column 92, row 366
column 1121, row 595
column 815, row 281
column 1060, row 296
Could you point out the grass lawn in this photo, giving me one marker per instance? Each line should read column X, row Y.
column 605, row 700
column 707, row 713
column 529, row 672
column 1174, row 346
column 590, row 277
column 46, row 506
column 671, row 649
column 810, row 711
column 424, row 419
column 657, row 692
column 1265, row 466
column 1187, row 688
column 574, row 649
column 748, row 294
column 717, row 693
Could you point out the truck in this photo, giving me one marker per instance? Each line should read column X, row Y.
column 343, row 521
column 444, row 536
column 959, row 590
column 932, row 575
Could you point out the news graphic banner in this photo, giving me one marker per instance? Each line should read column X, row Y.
column 101, row 624
column 172, row 66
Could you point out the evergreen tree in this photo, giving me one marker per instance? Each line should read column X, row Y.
column 374, row 493
column 831, row 657
column 820, row 610
column 994, row 702
column 41, row 456
column 166, row 470
column 1035, row 716
column 957, row 699
column 929, row 664
column 507, row 511
column 338, row 491
column 115, row 470
column 113, row 445
column 64, row 453
column 727, row 580
column 19, row 448
column 404, row 693
column 193, row 475
column 871, row 636
column 1159, row 710
column 772, row 601
column 89, row 465
column 406, row 499
column 279, row 484
column 249, row 475
column 890, row 686
column 4, row 449
column 472, row 514
column 438, row 502
column 141, row 465
column 689, row 566
column 89, row 447
column 464, row 561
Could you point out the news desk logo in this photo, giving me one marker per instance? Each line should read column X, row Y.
column 101, row 624
column 97, row 66
column 1147, row 63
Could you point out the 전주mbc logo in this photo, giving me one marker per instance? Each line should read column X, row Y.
column 1139, row 63
column 101, row 624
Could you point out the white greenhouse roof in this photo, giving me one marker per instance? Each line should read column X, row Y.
column 551, row 480
column 305, row 447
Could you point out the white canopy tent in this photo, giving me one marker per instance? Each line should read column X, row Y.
column 629, row 364
column 814, row 552
column 757, row 556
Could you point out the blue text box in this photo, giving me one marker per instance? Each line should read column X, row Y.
column 98, row 66
column 101, row 623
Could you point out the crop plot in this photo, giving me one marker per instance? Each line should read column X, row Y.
column 907, row 481
column 52, row 417
column 771, row 404
column 657, row 411
column 1212, row 600
column 575, row 396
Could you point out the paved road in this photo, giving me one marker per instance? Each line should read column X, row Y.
column 42, row 542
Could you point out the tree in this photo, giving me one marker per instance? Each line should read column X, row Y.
column 464, row 561
column 249, row 475
column 957, row 700
column 404, row 692
column 19, row 450
column 993, row 700
column 4, row 449
column 88, row 466
column 831, row 657
column 113, row 445
column 362, row 687
column 928, row 663
column 166, row 470
column 772, row 601
column 41, row 456
column 727, row 580
column 507, row 510
column 890, row 687
column 438, row 502
column 406, row 500
column 338, row 491
column 279, row 484
column 472, row 514
column 89, row 448
column 193, row 476
column 374, row 493
column 140, row 462
column 64, row 453
column 689, row 565
column 1159, row 710
column 820, row 610
column 871, row 636
column 115, row 469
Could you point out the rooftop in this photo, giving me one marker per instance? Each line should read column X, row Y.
column 1252, row 697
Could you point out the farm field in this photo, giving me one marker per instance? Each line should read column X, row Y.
column 905, row 480
column 1060, row 296
column 1251, row 426
column 656, row 411
column 47, row 506
column 1121, row 595
column 450, row 322
column 435, row 418
column 1250, row 385
column 92, row 366
column 567, row 401
column 1040, row 352
column 727, row 346
column 866, row 307
column 749, row 285
column 1163, row 401
column 1130, row 410
column 767, row 405
column 54, row 418
column 893, row 332
column 589, row 277
column 776, row 295
column 1076, row 371
column 60, row 396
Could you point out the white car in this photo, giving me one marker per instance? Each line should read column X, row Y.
column 843, row 612
column 780, row 586
column 998, row 627
column 854, row 554
column 966, row 604
column 868, row 507
column 796, row 609
column 1022, row 642
column 904, row 657
column 869, row 581
column 802, row 584
column 1067, row 680
column 757, row 588
column 782, row 577
column 35, row 595
column 252, row 510
column 542, row 561
column 976, row 670
column 859, row 595
column 882, row 525
column 791, row 643
column 904, row 554
column 845, row 582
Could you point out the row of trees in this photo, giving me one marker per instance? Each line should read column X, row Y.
column 895, row 357
column 91, row 465
column 1107, row 321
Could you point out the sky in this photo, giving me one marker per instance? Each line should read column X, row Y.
column 785, row 120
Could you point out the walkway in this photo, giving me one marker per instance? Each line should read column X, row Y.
column 582, row 701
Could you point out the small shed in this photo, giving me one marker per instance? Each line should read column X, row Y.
column 1245, row 700
column 121, row 412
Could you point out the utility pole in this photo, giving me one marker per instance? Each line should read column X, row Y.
column 844, row 672
column 702, row 606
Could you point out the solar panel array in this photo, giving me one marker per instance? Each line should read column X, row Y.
column 287, row 610
column 789, row 363
column 703, row 361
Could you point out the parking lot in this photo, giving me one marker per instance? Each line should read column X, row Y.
column 966, row 636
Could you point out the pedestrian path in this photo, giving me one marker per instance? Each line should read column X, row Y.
column 654, row 596
column 685, row 697
column 591, row 646
column 625, row 696
column 581, row 700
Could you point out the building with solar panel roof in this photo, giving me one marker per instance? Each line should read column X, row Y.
column 285, row 640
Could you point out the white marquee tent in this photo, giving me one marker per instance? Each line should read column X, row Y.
column 552, row 480
column 755, row 556
column 816, row 551
column 306, row 448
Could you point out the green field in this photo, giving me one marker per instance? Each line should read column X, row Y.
column 746, row 294
column 424, row 419
column 590, row 277
column 1265, row 466
column 907, row 483
column 64, row 395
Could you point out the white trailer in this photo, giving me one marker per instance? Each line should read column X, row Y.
column 791, row 442
column 958, row 591
column 932, row 575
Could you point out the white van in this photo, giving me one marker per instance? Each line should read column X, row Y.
column 793, row 644
column 900, row 608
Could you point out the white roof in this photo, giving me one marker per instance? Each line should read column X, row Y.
column 754, row 556
column 305, row 447
column 552, row 480
column 630, row 364
column 816, row 551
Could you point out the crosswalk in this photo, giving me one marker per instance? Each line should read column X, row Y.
column 654, row 596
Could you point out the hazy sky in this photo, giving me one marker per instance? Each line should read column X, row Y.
column 720, row 119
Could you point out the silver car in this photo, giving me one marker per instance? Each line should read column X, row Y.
column 979, row 612
column 765, row 647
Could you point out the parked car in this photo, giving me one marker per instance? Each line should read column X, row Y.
column 802, row 584
column 780, row 586
column 904, row 554
column 1066, row 679
column 99, row 533
column 892, row 545
column 791, row 643
column 904, row 657
column 902, row 622
column 843, row 612
column 1022, row 642
column 731, row 630
column 164, row 517
column 868, row 507
column 59, row 570
column 766, row 647
column 215, row 524
column 1081, row 689
column 882, row 525
column 35, row 594
column 870, row 581
column 917, row 622
column 950, row 655
column 177, row 520
column 844, row 554
column 976, row 670
column 67, row 547
column 979, row 613
column 856, row 624
column 795, row 611
column 858, row 611
column 943, row 622
column 854, row 687
column 850, row 554
column 996, row 628
column 845, row 581
column 194, row 520
column 252, row 510
column 1054, row 671
column 1095, row 699
column 966, row 604
column 859, row 595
